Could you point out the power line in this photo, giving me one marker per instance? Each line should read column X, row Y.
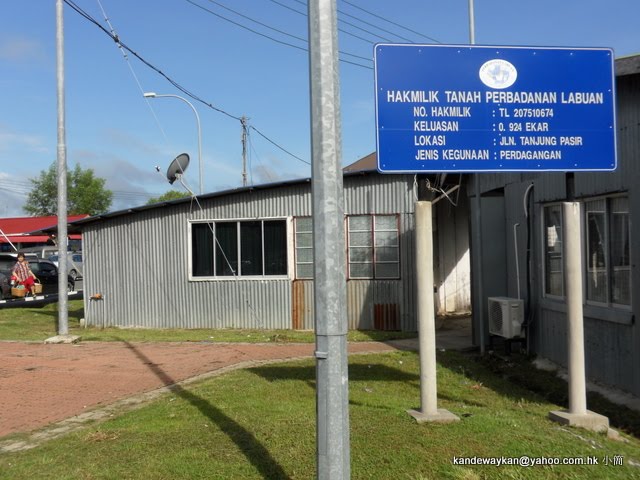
column 126, row 57
column 372, row 25
column 340, row 20
column 275, row 144
column 281, row 42
column 304, row 14
column 390, row 21
column 116, row 39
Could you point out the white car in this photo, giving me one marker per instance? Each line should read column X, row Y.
column 74, row 263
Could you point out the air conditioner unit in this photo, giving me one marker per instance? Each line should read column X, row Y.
column 506, row 316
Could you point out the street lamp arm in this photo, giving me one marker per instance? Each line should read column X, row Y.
column 156, row 95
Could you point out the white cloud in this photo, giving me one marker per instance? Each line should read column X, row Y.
column 13, row 191
column 20, row 49
column 11, row 140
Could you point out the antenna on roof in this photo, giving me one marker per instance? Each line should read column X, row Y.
column 176, row 170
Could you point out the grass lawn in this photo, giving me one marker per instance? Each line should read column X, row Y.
column 38, row 324
column 260, row 423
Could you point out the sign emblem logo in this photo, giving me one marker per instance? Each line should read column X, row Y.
column 498, row 74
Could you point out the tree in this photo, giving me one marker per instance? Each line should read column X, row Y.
column 168, row 196
column 85, row 193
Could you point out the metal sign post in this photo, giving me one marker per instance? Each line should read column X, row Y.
column 332, row 391
column 63, row 309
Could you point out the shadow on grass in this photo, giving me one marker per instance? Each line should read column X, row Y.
column 73, row 313
column 517, row 379
column 370, row 373
column 247, row 443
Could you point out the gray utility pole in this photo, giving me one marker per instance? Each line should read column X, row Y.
column 243, row 121
column 332, row 391
column 578, row 415
column 477, row 234
column 63, row 307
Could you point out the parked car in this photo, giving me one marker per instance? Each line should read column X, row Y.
column 5, row 286
column 47, row 272
column 43, row 251
column 74, row 263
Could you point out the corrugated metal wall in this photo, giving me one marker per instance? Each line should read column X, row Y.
column 612, row 337
column 138, row 263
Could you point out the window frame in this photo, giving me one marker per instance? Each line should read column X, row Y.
column 237, row 275
column 296, row 247
column 374, row 262
column 545, row 251
column 609, row 268
column 608, row 252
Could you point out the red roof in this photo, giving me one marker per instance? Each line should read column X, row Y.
column 19, row 228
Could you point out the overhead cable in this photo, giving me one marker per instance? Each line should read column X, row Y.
column 281, row 42
column 126, row 57
column 88, row 17
column 390, row 21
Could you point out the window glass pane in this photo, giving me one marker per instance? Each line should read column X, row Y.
column 304, row 247
column 386, row 254
column 387, row 239
column 304, row 240
column 360, row 222
column 553, row 250
column 226, row 248
column 202, row 249
column 620, row 257
column 387, row 270
column 304, row 270
column 596, row 251
column 275, row 247
column 386, row 222
column 361, row 270
column 251, row 248
column 304, row 255
column 304, row 224
column 360, row 254
column 360, row 239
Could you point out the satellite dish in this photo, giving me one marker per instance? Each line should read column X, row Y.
column 177, row 167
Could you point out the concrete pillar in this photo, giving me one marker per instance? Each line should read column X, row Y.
column 577, row 415
column 429, row 411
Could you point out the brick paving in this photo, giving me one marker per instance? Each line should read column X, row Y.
column 42, row 384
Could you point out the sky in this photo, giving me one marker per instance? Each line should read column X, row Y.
column 240, row 58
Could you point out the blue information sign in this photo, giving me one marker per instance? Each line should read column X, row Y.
column 448, row 108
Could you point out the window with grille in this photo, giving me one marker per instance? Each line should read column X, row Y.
column 373, row 246
column 304, row 247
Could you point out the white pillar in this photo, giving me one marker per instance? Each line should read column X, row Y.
column 577, row 415
column 429, row 411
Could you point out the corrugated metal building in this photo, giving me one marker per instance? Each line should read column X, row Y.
column 243, row 258
column 610, row 204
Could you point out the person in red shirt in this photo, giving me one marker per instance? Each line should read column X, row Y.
column 24, row 275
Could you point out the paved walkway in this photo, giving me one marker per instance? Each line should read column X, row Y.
column 42, row 384
column 61, row 386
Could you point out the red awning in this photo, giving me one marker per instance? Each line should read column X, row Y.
column 34, row 238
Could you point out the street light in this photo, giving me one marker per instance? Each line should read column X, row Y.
column 156, row 95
